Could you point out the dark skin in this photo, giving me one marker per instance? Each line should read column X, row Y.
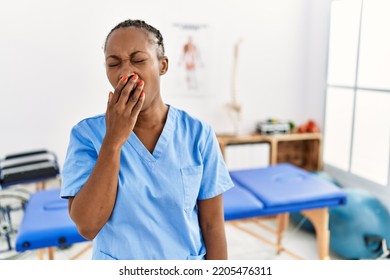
column 135, row 106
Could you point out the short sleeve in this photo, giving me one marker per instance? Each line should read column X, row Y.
column 216, row 178
column 79, row 162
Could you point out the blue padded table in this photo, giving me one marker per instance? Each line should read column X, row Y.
column 46, row 223
column 239, row 203
column 279, row 190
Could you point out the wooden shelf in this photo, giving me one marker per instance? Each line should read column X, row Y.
column 301, row 149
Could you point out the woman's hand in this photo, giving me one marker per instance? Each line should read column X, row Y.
column 123, row 108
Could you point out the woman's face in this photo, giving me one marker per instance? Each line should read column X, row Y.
column 133, row 51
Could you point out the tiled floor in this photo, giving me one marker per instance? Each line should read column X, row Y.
column 242, row 245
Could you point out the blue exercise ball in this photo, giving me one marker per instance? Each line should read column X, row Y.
column 358, row 228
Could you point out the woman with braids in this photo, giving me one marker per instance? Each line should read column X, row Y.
column 145, row 179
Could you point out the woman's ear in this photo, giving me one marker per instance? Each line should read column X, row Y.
column 163, row 65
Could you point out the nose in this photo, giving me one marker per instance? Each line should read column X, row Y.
column 128, row 76
column 126, row 69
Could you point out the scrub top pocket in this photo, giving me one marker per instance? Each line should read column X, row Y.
column 192, row 177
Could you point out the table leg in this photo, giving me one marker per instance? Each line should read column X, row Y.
column 282, row 224
column 320, row 220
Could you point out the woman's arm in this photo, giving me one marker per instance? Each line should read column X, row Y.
column 211, row 219
column 92, row 206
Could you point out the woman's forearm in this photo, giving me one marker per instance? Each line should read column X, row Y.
column 212, row 224
column 215, row 241
column 92, row 206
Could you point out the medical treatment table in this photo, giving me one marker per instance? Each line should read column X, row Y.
column 46, row 224
column 18, row 173
column 35, row 219
column 277, row 191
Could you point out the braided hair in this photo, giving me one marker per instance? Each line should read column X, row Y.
column 140, row 24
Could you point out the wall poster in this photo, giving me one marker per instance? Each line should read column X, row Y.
column 189, row 59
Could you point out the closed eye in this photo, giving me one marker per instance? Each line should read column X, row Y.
column 138, row 60
column 113, row 64
column 114, row 61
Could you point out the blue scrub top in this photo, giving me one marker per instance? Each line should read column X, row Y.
column 155, row 214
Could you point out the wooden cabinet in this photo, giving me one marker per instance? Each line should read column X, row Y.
column 301, row 149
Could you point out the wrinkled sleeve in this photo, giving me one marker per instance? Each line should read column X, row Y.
column 79, row 162
column 216, row 178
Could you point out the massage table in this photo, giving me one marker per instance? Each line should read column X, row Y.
column 273, row 191
column 46, row 224
column 16, row 172
column 279, row 190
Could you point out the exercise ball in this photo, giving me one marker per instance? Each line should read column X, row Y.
column 358, row 229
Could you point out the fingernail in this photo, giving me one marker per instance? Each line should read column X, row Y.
column 135, row 77
column 142, row 93
column 124, row 78
column 140, row 83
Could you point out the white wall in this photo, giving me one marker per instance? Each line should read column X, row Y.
column 52, row 65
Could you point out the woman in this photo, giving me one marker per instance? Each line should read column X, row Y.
column 145, row 180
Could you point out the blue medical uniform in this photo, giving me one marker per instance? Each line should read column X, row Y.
column 155, row 214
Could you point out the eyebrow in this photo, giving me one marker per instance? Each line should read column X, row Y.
column 117, row 57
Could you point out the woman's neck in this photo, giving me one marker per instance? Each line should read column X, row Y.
column 153, row 116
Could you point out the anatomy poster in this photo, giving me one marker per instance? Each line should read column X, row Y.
column 189, row 59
